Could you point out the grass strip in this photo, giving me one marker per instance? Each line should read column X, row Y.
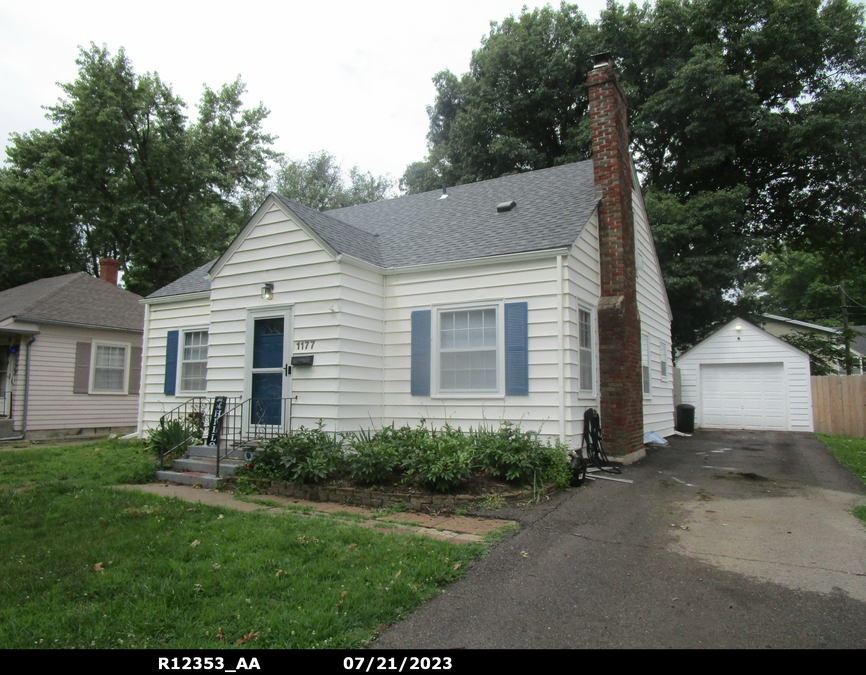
column 851, row 452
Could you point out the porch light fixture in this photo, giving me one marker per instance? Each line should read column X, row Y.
column 268, row 292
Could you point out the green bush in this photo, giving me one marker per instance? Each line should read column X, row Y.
column 306, row 456
column 555, row 467
column 438, row 460
column 372, row 457
column 509, row 453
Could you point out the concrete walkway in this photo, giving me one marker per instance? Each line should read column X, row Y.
column 458, row 529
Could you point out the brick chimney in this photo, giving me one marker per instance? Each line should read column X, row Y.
column 621, row 404
column 108, row 268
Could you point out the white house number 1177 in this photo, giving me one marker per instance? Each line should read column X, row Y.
column 301, row 345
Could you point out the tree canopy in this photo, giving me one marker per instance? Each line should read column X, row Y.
column 124, row 174
column 319, row 182
column 746, row 119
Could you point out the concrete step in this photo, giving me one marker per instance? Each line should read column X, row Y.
column 228, row 467
column 211, row 451
column 206, row 480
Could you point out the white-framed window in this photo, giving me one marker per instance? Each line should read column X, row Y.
column 469, row 350
column 587, row 366
column 192, row 361
column 664, row 350
column 645, row 364
column 109, row 371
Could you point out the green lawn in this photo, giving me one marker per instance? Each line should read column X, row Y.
column 82, row 565
column 852, row 453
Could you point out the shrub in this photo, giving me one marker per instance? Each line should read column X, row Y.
column 372, row 457
column 439, row 461
column 512, row 454
column 305, row 456
column 555, row 466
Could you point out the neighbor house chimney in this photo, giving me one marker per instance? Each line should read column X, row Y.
column 621, row 400
column 108, row 270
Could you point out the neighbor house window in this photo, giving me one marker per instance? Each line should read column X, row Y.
column 469, row 350
column 109, row 369
column 645, row 364
column 585, row 339
column 193, row 361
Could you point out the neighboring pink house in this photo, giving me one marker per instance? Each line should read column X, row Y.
column 70, row 356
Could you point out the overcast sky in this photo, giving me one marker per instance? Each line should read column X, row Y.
column 352, row 78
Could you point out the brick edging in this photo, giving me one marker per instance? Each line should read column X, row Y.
column 420, row 502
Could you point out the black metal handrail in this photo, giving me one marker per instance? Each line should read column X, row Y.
column 252, row 421
column 193, row 412
column 243, row 422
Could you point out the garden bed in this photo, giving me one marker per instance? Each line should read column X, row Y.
column 422, row 469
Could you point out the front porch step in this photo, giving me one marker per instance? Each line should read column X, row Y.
column 206, row 480
column 198, row 466
column 207, row 465
column 211, row 451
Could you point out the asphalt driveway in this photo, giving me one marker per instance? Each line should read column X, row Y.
column 725, row 539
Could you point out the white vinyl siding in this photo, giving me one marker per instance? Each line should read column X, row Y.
column 161, row 318
column 655, row 317
column 275, row 249
column 475, row 287
column 582, row 287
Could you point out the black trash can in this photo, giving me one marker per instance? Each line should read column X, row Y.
column 685, row 418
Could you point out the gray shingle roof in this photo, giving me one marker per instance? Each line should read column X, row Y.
column 859, row 343
column 553, row 205
column 78, row 299
column 194, row 282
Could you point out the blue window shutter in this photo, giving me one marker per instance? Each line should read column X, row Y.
column 421, row 352
column 517, row 349
column 171, row 362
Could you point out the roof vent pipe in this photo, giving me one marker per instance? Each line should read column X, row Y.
column 444, row 193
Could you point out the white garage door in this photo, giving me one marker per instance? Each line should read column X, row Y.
column 744, row 396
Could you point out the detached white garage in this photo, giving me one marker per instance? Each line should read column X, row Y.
column 741, row 377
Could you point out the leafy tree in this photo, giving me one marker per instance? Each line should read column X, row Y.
column 318, row 182
column 123, row 174
column 826, row 353
column 520, row 107
column 746, row 118
column 804, row 285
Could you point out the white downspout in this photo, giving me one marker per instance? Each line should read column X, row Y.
column 561, row 350
column 141, row 382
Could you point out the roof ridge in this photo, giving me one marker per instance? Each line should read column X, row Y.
column 326, row 214
column 460, row 185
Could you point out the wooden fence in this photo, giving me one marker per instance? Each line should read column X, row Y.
column 839, row 405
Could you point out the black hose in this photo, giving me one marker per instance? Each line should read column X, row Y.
column 592, row 442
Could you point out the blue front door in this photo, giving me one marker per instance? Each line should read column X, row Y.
column 269, row 371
